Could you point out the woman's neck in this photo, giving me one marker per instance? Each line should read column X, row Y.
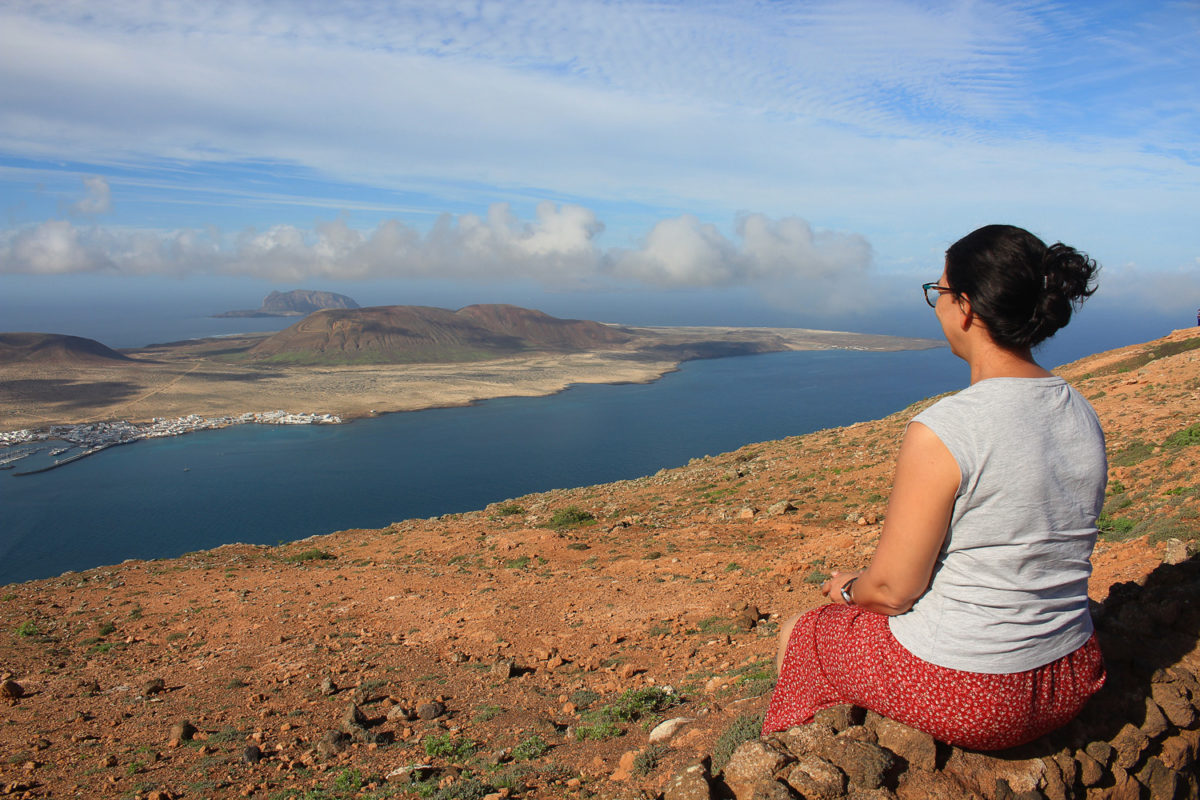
column 989, row 360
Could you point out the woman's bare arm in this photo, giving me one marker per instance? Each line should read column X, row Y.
column 918, row 513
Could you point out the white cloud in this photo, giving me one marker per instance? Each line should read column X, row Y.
column 53, row 247
column 558, row 249
column 98, row 199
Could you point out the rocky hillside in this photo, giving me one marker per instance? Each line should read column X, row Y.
column 416, row 334
column 55, row 349
column 606, row 641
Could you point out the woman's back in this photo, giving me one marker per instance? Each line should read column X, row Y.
column 1009, row 590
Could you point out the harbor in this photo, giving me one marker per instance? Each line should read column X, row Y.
column 94, row 437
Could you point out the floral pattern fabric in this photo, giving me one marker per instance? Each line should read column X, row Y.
column 844, row 654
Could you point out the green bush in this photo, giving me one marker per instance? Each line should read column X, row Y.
column 349, row 780
column 1188, row 436
column 1131, row 454
column 508, row 510
column 449, row 747
column 582, row 698
column 312, row 554
column 570, row 517
column 487, row 711
column 532, row 747
column 597, row 731
column 27, row 628
column 634, row 704
column 645, row 761
column 1115, row 528
column 746, row 727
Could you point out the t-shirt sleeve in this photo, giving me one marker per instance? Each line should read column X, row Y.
column 946, row 419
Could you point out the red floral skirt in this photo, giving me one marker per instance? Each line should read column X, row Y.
column 843, row 654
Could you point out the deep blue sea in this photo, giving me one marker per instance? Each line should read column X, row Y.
column 268, row 484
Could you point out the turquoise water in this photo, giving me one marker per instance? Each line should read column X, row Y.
column 265, row 484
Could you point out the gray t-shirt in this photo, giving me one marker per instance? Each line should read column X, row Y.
column 1009, row 589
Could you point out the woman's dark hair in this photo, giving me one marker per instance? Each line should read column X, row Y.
column 1022, row 290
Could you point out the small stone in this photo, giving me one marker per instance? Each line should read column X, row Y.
column 1155, row 723
column 328, row 687
column 770, row 789
column 400, row 714
column 431, row 710
column 154, row 686
column 251, row 754
column 11, row 689
column 780, row 508
column 1175, row 552
column 808, row 738
column 1129, row 743
column 108, row 761
column 1162, row 782
column 353, row 716
column 1174, row 704
column 503, row 669
column 1090, row 770
column 1176, row 754
column 665, row 730
column 690, row 783
column 866, row 765
column 916, row 747
column 332, row 743
column 839, row 718
column 751, row 762
column 624, row 767
column 816, row 779
column 747, row 513
column 181, row 731
column 1101, row 751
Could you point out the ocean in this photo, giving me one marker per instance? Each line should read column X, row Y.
column 270, row 484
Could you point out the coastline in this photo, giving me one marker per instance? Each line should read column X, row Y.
column 198, row 378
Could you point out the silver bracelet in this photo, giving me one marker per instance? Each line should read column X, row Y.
column 848, row 598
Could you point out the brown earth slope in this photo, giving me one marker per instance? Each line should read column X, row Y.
column 535, row 636
column 56, row 349
column 413, row 334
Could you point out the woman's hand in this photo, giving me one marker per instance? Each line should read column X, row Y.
column 832, row 588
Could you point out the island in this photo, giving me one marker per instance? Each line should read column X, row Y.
column 295, row 303
column 354, row 363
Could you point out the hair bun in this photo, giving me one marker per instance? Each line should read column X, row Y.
column 1068, row 278
column 1023, row 290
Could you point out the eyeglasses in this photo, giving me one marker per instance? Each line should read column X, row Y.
column 933, row 292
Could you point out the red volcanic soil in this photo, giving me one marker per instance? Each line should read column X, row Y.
column 502, row 647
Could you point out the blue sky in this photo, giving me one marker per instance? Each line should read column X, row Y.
column 805, row 160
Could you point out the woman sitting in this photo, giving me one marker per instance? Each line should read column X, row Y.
column 971, row 622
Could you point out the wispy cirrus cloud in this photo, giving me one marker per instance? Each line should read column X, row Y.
column 907, row 122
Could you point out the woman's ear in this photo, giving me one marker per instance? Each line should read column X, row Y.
column 968, row 314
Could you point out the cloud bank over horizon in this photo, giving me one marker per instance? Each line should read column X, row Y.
column 557, row 249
